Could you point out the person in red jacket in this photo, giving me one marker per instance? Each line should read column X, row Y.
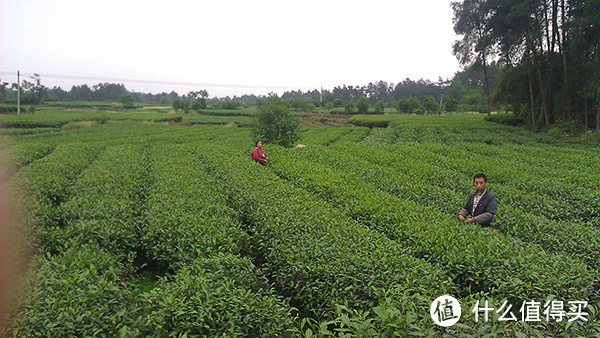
column 258, row 154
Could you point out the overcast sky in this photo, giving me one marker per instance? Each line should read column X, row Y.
column 297, row 44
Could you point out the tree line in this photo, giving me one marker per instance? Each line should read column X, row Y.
column 465, row 88
column 548, row 53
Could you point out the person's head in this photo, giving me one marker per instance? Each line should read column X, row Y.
column 259, row 144
column 479, row 181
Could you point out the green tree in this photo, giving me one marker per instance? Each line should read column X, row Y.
column 81, row 93
column 338, row 103
column 585, row 47
column 414, row 106
column 273, row 122
column 108, row 91
column 3, row 90
column 179, row 104
column 470, row 19
column 349, row 106
column 547, row 49
column 362, row 105
column 430, row 105
column 302, row 105
column 230, row 104
column 402, row 106
column 379, row 107
column 451, row 104
column 29, row 97
column 199, row 104
column 127, row 100
column 176, row 104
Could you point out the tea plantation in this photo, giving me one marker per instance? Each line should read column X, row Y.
column 146, row 226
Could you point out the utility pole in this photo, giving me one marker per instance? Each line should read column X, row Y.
column 321, row 102
column 18, row 93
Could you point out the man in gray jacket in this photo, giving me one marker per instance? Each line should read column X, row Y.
column 481, row 205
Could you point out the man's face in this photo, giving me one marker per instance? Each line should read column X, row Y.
column 259, row 144
column 479, row 184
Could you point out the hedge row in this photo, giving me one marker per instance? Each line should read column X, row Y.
column 189, row 229
column 371, row 122
column 19, row 155
column 528, row 153
column 117, row 207
column 508, row 119
column 82, row 288
column 109, row 200
column 560, row 194
column 476, row 260
column 44, row 185
column 187, row 218
column 550, row 174
column 480, row 262
column 529, row 215
column 328, row 136
column 393, row 166
column 77, row 292
column 317, row 255
column 325, row 136
column 224, row 295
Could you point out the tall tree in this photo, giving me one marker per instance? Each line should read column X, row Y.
column 585, row 45
column 470, row 17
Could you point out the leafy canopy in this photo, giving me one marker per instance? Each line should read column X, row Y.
column 274, row 124
column 127, row 100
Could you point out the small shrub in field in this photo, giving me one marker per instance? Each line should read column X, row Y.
column 199, row 104
column 349, row 106
column 362, row 105
column 127, row 100
column 567, row 128
column 274, row 124
column 379, row 107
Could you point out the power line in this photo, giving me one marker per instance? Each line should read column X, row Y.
column 158, row 82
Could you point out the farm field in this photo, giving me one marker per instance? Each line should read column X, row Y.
column 144, row 225
column 48, row 118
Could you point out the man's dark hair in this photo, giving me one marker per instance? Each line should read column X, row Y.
column 480, row 175
column 256, row 144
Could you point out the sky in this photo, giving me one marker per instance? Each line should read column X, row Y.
column 228, row 47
